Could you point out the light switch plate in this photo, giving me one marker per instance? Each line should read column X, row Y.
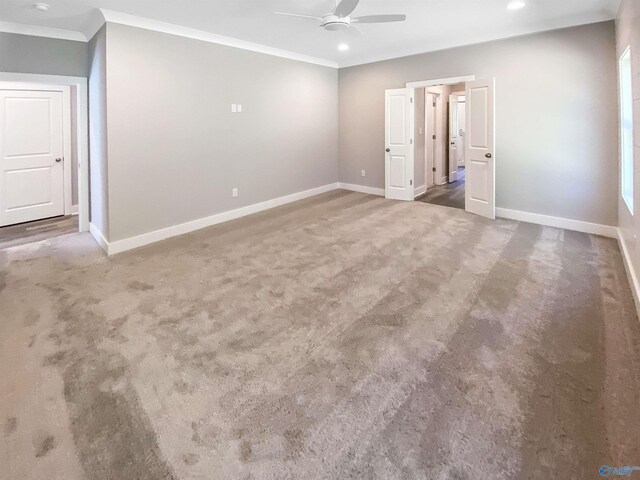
column 234, row 192
column 239, row 108
column 234, row 108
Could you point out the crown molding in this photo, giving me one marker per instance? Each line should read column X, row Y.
column 39, row 31
column 187, row 32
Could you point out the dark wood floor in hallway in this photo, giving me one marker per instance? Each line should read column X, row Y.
column 29, row 232
column 447, row 195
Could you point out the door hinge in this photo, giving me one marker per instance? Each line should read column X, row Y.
column 411, row 100
column 410, row 182
column 434, row 104
column 411, row 142
column 433, row 169
column 434, row 137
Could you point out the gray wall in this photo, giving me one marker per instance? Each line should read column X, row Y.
column 628, row 33
column 556, row 117
column 175, row 150
column 98, row 132
column 48, row 56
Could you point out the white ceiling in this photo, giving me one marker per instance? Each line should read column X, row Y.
column 431, row 24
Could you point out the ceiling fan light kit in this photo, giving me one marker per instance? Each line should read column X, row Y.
column 340, row 19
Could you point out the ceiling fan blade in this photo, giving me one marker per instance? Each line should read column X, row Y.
column 296, row 15
column 354, row 32
column 379, row 19
column 346, row 7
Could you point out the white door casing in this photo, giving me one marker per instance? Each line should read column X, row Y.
column 32, row 180
column 453, row 139
column 461, row 126
column 480, row 148
column 399, row 149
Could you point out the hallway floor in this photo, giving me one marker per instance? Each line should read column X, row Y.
column 29, row 232
column 447, row 195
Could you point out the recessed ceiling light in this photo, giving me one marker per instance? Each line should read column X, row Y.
column 516, row 4
column 343, row 47
column 43, row 7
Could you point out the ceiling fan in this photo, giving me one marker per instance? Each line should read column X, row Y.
column 340, row 19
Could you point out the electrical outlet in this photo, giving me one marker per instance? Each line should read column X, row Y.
column 363, row 173
column 234, row 192
column 420, row 131
column 239, row 108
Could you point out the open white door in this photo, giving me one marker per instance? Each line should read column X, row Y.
column 398, row 164
column 453, row 138
column 31, row 156
column 480, row 195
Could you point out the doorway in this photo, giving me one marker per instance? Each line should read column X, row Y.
column 458, row 159
column 449, row 190
column 43, row 157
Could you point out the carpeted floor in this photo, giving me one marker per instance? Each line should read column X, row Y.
column 343, row 336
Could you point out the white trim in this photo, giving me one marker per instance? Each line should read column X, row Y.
column 566, row 223
column 39, row 31
column 99, row 237
column 67, row 163
column 82, row 126
column 74, row 210
column 419, row 191
column 441, row 81
column 631, row 273
column 172, row 29
column 123, row 245
column 362, row 189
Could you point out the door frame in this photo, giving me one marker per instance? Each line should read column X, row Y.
column 70, row 86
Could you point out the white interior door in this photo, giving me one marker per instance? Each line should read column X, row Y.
column 453, row 138
column 399, row 144
column 461, row 126
column 430, row 129
column 480, row 192
column 31, row 155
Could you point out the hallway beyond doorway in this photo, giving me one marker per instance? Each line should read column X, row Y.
column 448, row 195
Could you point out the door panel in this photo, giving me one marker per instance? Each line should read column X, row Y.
column 480, row 148
column 397, row 171
column 31, row 139
column 399, row 144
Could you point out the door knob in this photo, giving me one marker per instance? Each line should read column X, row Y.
column 388, row 150
column 488, row 155
column 58, row 160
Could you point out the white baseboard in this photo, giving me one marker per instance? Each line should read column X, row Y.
column 576, row 225
column 99, row 237
column 419, row 191
column 123, row 245
column 74, row 210
column 443, row 181
column 362, row 189
column 631, row 273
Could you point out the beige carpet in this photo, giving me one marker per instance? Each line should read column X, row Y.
column 344, row 336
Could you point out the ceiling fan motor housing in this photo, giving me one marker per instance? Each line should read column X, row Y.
column 334, row 23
